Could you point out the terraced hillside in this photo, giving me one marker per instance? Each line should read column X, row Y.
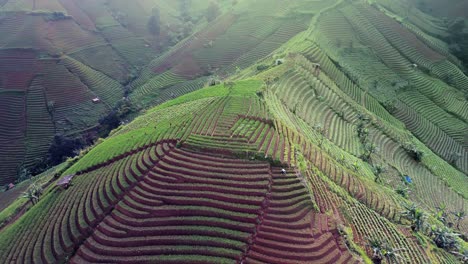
column 316, row 132
column 143, row 55
column 182, row 185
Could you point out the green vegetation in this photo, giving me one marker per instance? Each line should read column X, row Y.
column 232, row 132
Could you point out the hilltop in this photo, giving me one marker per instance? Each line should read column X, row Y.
column 297, row 135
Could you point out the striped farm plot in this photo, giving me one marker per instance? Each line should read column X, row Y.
column 28, row 5
column 69, row 37
column 368, row 224
column 116, row 32
column 103, row 59
column 431, row 135
column 186, row 48
column 390, row 54
column 287, row 30
column 284, row 234
column 369, row 34
column 198, row 207
column 316, row 104
column 17, row 5
column 17, row 69
column 131, row 142
column 191, row 206
column 233, row 107
column 350, row 97
column 176, row 114
column 315, row 54
column 97, row 12
column 32, row 34
column 443, row 95
column 205, row 122
column 359, row 184
column 179, row 89
column 428, row 24
column 226, row 49
column 189, row 67
column 73, row 106
column 152, row 88
column 402, row 39
column 452, row 126
column 434, row 43
column 54, row 5
column 106, row 88
column 10, row 26
column 337, row 37
column 226, row 132
column 335, row 31
column 414, row 49
column 137, row 16
column 78, row 14
column 364, row 222
column 12, row 132
column 361, row 189
column 134, row 50
column 40, row 127
column 216, row 127
column 75, row 212
column 429, row 189
column 451, row 74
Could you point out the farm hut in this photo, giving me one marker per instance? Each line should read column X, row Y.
column 65, row 182
column 283, row 171
column 96, row 100
column 10, row 186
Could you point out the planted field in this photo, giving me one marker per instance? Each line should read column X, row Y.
column 319, row 106
column 17, row 68
column 200, row 207
column 12, row 133
column 182, row 208
column 40, row 127
column 290, row 232
column 78, row 14
column 153, row 87
column 76, row 211
column 66, row 35
column 107, row 89
column 103, row 59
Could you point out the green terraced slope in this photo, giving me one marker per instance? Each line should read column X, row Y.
column 303, row 132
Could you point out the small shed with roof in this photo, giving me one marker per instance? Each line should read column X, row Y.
column 65, row 182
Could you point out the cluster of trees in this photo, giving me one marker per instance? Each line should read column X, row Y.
column 154, row 23
column 187, row 21
column 63, row 147
column 443, row 236
column 458, row 40
column 33, row 193
column 381, row 250
column 55, row 16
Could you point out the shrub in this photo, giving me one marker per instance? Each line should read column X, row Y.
column 262, row 67
column 444, row 238
column 55, row 16
column 414, row 152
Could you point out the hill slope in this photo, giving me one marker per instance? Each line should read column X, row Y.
column 364, row 108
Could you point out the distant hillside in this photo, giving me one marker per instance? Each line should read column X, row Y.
column 57, row 56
